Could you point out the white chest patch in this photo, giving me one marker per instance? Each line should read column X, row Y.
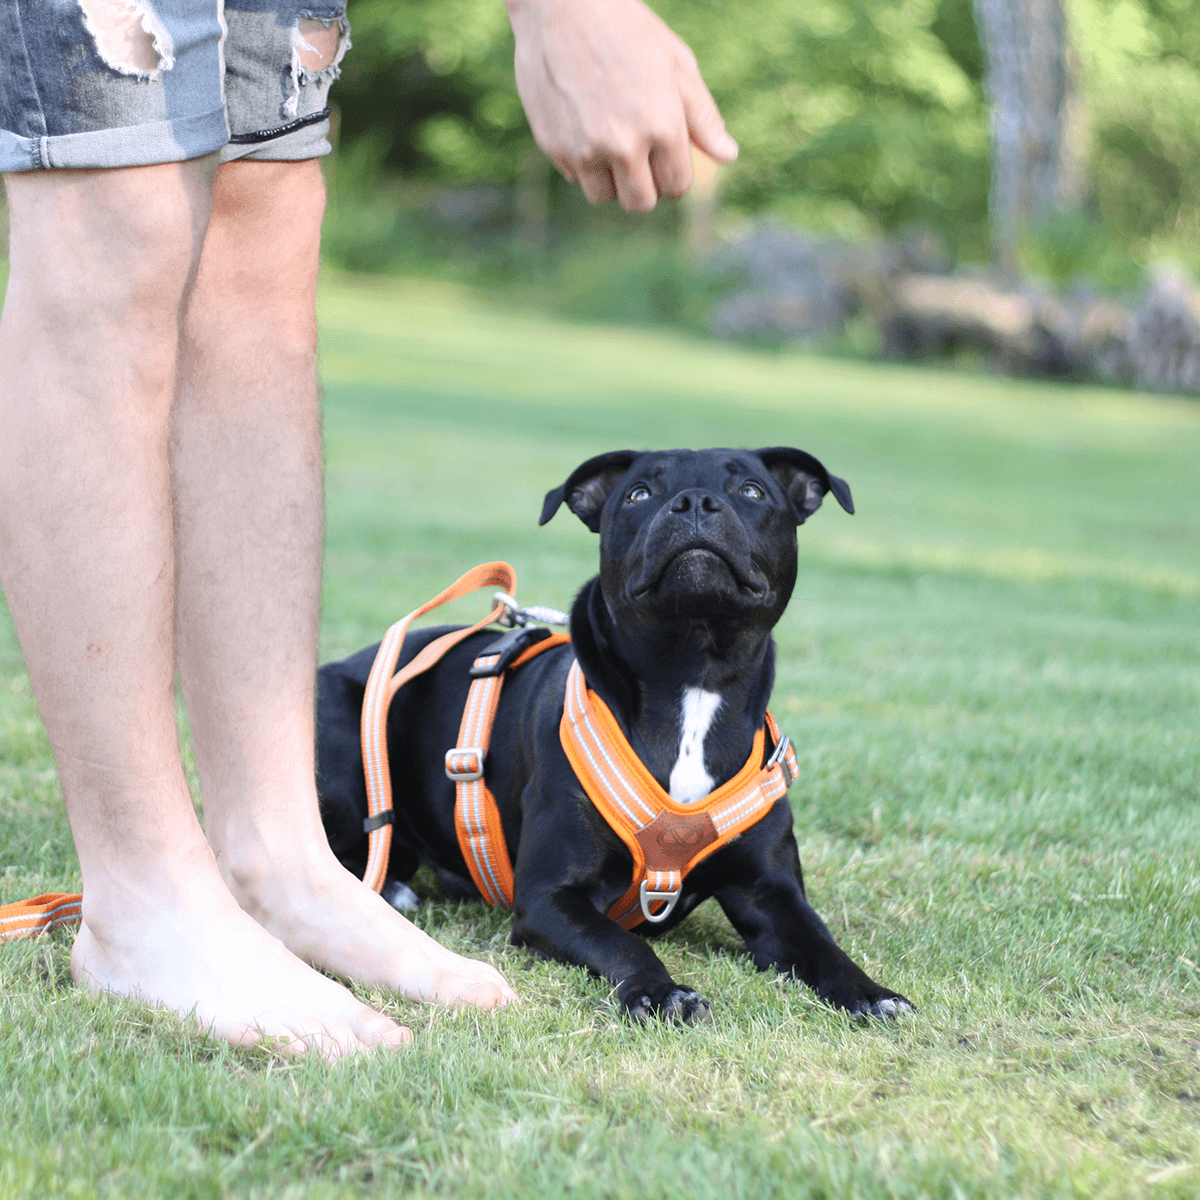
column 689, row 780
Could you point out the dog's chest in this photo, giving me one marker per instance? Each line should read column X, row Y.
column 690, row 780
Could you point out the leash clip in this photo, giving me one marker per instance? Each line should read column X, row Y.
column 514, row 615
column 645, row 896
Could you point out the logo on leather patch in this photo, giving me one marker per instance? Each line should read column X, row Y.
column 672, row 840
column 684, row 836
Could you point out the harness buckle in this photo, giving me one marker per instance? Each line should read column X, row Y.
column 785, row 756
column 645, row 896
column 505, row 650
column 457, row 760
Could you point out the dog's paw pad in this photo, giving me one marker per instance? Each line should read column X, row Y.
column 400, row 896
column 685, row 1007
column 886, row 1008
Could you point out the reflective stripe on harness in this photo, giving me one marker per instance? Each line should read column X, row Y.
column 666, row 838
column 476, row 814
column 476, row 817
column 382, row 685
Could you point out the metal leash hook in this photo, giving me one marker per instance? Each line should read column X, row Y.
column 514, row 615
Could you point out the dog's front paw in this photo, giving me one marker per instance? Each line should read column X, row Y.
column 886, row 1008
column 865, row 998
column 400, row 896
column 679, row 1006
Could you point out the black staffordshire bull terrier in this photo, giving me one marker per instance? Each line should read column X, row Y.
column 697, row 563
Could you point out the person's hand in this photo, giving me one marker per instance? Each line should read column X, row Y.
column 614, row 98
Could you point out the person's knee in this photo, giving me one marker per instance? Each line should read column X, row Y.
column 119, row 247
column 266, row 226
column 257, row 281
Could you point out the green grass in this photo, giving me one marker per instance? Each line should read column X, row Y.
column 992, row 674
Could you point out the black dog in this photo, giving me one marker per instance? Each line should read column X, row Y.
column 697, row 563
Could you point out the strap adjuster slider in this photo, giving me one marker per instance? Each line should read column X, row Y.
column 458, row 760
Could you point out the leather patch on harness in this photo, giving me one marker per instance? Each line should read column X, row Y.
column 672, row 840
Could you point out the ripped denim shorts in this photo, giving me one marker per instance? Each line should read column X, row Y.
column 125, row 83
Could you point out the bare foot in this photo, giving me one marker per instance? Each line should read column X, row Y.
column 195, row 951
column 331, row 918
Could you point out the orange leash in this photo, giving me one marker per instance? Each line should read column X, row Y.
column 27, row 918
column 464, row 763
column 382, row 685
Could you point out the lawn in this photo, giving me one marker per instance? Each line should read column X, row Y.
column 992, row 676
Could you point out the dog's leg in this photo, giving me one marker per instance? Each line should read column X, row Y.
column 782, row 930
column 563, row 922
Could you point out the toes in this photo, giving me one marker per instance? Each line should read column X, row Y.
column 374, row 1029
column 639, row 1009
column 484, row 994
column 686, row 1007
column 680, row 1006
column 884, row 1008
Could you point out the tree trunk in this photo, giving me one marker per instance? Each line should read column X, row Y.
column 1038, row 117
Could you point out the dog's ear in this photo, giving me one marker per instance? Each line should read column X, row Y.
column 804, row 480
column 587, row 487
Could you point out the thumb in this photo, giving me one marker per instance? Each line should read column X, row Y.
column 705, row 126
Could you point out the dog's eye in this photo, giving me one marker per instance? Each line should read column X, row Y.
column 638, row 493
column 752, row 490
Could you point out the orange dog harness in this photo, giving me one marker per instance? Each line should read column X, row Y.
column 666, row 838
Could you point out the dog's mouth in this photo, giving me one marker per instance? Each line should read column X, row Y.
column 700, row 559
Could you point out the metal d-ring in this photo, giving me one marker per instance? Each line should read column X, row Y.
column 645, row 895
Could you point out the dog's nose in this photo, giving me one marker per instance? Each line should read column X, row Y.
column 696, row 499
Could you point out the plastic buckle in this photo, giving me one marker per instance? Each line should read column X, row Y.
column 505, row 650
column 787, row 762
column 645, row 896
column 453, row 771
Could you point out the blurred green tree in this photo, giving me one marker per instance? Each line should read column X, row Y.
column 1142, row 71
column 853, row 115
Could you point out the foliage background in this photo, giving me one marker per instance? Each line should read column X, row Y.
column 855, row 118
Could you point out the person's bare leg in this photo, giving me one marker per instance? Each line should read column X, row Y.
column 101, row 264
column 246, row 461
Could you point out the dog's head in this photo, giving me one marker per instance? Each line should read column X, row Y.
column 698, row 534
